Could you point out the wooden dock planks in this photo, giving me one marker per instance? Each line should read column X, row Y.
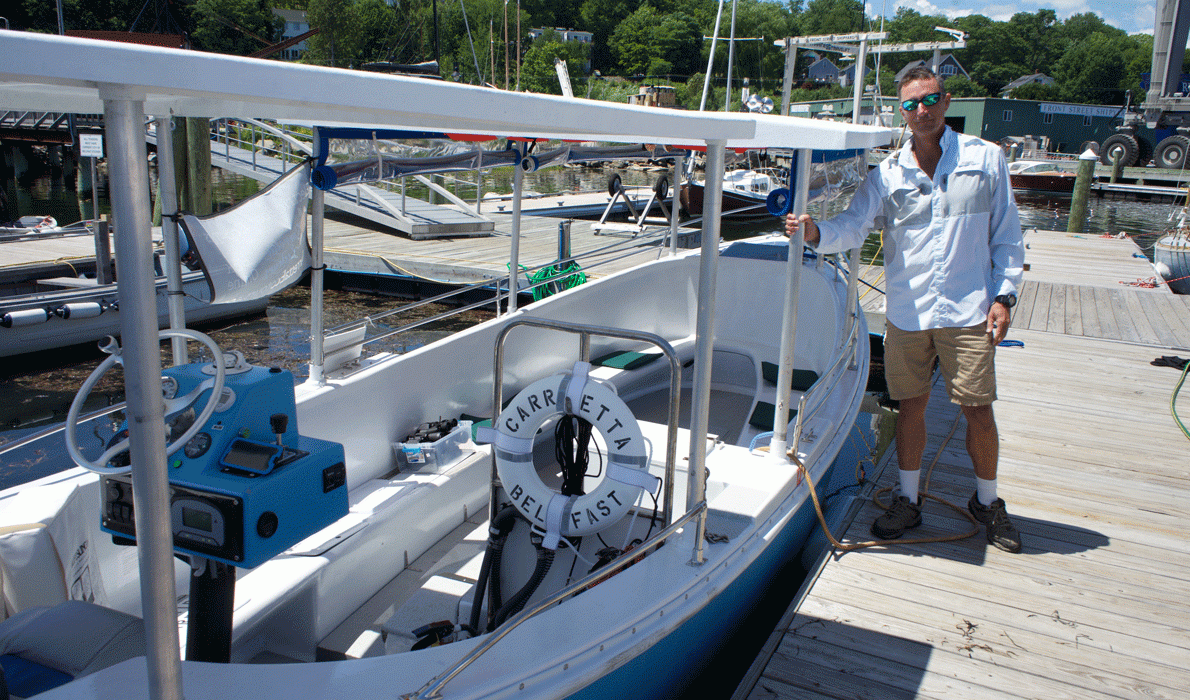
column 1095, row 474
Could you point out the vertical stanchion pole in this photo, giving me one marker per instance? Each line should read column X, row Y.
column 317, row 268
column 518, row 178
column 705, row 337
column 674, row 203
column 793, row 282
column 169, row 231
column 124, row 117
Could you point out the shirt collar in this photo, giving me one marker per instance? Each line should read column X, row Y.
column 949, row 142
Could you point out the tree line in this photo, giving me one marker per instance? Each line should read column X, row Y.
column 636, row 42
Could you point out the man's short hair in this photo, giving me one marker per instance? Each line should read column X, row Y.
column 920, row 73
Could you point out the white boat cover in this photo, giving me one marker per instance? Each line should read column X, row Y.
column 257, row 247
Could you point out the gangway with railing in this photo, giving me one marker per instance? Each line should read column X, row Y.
column 263, row 152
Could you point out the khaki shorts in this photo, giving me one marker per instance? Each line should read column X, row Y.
column 966, row 355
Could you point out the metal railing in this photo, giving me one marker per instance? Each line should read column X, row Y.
column 249, row 135
column 814, row 400
column 593, row 259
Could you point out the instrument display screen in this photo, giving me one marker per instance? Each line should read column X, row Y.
column 196, row 519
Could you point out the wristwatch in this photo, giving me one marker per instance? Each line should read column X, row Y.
column 1008, row 300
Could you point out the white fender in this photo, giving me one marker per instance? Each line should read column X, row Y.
column 625, row 473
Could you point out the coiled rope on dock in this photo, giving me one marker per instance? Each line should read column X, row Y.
column 925, row 492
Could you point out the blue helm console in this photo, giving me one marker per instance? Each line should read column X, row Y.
column 248, row 486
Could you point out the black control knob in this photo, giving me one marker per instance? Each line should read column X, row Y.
column 279, row 422
column 266, row 524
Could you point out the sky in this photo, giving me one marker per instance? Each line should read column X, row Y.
column 1132, row 17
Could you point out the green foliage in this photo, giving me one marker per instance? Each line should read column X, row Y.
column 832, row 17
column 237, row 27
column 538, row 73
column 1092, row 61
column 106, row 15
column 961, row 86
column 1093, row 69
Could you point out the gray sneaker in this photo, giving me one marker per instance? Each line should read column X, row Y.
column 901, row 515
column 1001, row 531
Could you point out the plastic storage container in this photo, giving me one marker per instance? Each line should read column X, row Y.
column 435, row 456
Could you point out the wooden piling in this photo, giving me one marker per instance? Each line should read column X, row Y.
column 1082, row 191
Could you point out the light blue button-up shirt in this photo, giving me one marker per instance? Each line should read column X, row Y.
column 951, row 244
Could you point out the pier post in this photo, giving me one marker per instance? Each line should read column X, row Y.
column 1082, row 191
column 1117, row 166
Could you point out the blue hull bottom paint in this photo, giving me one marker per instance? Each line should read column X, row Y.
column 667, row 669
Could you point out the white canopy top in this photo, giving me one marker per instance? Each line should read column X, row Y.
column 65, row 74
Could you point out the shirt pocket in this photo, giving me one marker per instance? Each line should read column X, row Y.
column 907, row 207
column 968, row 191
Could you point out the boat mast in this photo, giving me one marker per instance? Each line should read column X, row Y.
column 730, row 58
column 124, row 117
column 706, row 81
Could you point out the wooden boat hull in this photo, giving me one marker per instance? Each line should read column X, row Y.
column 737, row 205
column 1043, row 183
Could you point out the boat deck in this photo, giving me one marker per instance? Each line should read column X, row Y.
column 1093, row 469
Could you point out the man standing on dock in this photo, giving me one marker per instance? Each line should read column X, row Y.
column 953, row 259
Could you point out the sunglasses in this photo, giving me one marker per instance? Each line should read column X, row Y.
column 929, row 100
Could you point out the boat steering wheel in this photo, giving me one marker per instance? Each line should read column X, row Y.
column 172, row 405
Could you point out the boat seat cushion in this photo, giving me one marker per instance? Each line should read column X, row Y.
column 44, row 647
column 626, row 359
column 803, row 379
column 762, row 415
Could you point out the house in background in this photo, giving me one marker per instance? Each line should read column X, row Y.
column 847, row 75
column 822, row 71
column 295, row 25
column 948, row 66
column 1034, row 79
column 566, row 35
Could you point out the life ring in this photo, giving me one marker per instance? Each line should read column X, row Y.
column 625, row 472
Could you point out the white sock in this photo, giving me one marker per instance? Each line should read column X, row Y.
column 986, row 490
column 909, row 483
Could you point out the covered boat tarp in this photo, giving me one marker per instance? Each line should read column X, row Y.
column 367, row 156
column 257, row 247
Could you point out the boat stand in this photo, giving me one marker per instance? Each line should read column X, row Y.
column 641, row 219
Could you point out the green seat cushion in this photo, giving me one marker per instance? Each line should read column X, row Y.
column 626, row 359
column 803, row 379
column 476, row 422
column 762, row 415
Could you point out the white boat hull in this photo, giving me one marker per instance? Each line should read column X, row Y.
column 645, row 631
column 57, row 332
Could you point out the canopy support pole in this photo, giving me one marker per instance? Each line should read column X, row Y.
column 124, row 116
column 514, row 265
column 317, row 268
column 705, row 339
column 676, row 188
column 169, row 231
column 793, row 284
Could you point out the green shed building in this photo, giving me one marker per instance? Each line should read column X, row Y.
column 1067, row 126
